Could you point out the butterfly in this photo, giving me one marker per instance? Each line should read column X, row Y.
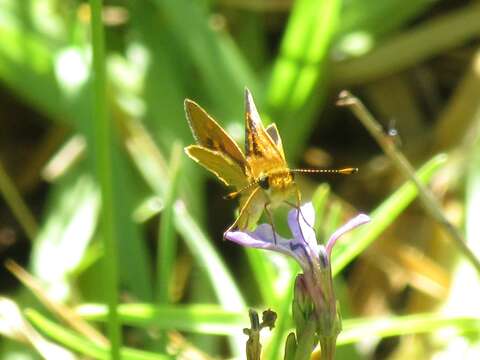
column 261, row 177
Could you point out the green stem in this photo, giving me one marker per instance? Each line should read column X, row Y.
column 328, row 345
column 306, row 341
column 166, row 240
column 167, row 247
column 104, row 162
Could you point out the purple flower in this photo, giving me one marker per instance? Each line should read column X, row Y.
column 303, row 246
column 314, row 259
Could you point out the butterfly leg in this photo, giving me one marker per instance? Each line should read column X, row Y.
column 250, row 211
column 270, row 218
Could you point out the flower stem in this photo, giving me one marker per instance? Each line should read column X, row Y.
column 328, row 344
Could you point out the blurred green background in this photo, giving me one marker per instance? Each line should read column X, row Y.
column 185, row 293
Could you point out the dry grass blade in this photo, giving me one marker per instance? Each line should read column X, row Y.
column 14, row 199
column 461, row 116
column 13, row 325
column 62, row 311
column 389, row 147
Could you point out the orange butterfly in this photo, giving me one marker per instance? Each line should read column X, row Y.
column 261, row 176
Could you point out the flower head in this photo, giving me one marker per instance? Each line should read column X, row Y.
column 303, row 246
column 314, row 259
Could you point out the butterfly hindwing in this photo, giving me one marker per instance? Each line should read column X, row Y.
column 251, row 208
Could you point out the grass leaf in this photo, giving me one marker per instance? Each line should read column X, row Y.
column 382, row 217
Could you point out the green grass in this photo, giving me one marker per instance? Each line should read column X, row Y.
column 98, row 235
column 103, row 143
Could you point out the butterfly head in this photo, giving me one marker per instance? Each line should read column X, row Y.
column 278, row 185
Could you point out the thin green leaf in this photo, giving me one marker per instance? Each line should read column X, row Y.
column 319, row 201
column 355, row 330
column 282, row 326
column 72, row 340
column 67, row 229
column 383, row 216
column 104, row 162
column 167, row 246
column 197, row 318
column 264, row 273
column 333, row 219
column 150, row 163
column 412, row 47
column 293, row 95
column 222, row 67
column 222, row 282
column 357, row 17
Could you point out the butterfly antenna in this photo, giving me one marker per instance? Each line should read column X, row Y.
column 344, row 171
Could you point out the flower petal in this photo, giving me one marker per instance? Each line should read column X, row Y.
column 301, row 230
column 350, row 225
column 261, row 238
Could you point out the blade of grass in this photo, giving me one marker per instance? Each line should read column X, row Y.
column 19, row 74
column 13, row 325
column 67, row 230
column 167, row 242
column 355, row 330
column 332, row 219
column 428, row 199
column 459, row 116
column 103, row 150
column 293, row 90
column 198, row 318
column 222, row 67
column 135, row 273
column 283, row 324
column 73, row 341
column 356, row 17
column 151, row 165
column 223, row 283
column 15, row 201
column 264, row 273
column 57, row 308
column 383, row 216
column 319, row 201
column 411, row 47
column 166, row 239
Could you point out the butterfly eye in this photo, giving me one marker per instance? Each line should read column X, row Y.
column 264, row 184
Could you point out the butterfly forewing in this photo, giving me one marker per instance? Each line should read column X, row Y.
column 209, row 134
column 262, row 153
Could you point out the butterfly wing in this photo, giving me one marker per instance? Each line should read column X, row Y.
column 272, row 130
column 262, row 153
column 227, row 170
column 251, row 208
column 208, row 133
